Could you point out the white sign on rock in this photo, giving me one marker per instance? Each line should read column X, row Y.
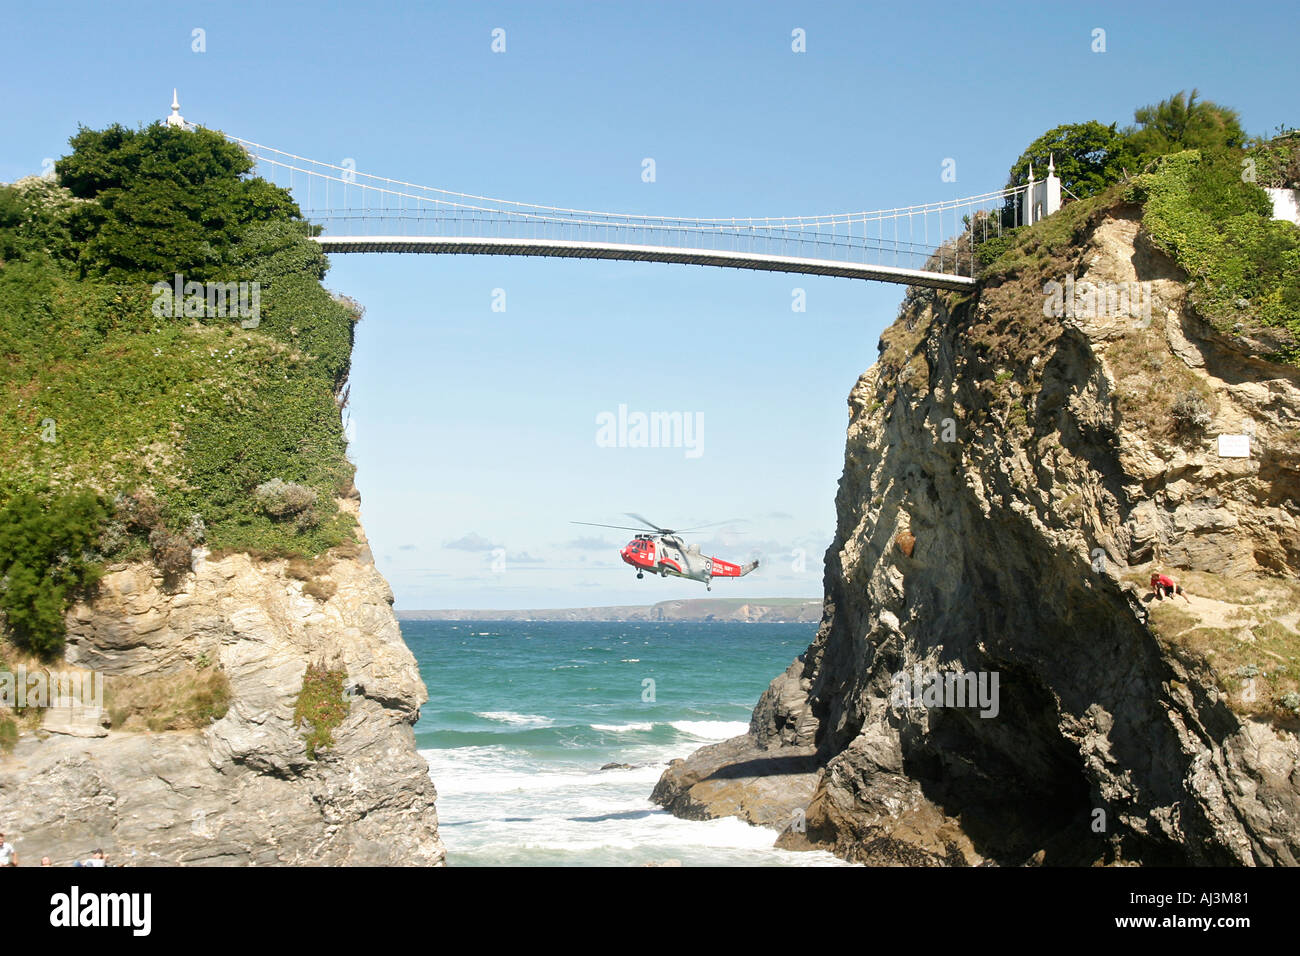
column 1234, row 446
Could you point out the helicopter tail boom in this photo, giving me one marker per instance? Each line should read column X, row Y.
column 725, row 569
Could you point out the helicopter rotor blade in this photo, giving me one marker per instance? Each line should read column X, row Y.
column 713, row 524
column 618, row 527
column 649, row 524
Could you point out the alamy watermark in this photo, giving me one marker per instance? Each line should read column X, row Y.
column 920, row 688
column 213, row 300
column 44, row 688
column 624, row 429
column 1097, row 300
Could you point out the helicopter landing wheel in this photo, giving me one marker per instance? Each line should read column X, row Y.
column 639, row 575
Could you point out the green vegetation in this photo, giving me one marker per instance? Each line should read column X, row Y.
column 1220, row 230
column 321, row 706
column 46, row 557
column 108, row 392
column 1189, row 166
column 1276, row 162
column 1088, row 157
column 1181, row 123
column 161, row 200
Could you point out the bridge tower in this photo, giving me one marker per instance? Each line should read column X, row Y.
column 1041, row 199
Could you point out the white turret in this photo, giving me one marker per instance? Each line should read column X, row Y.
column 176, row 119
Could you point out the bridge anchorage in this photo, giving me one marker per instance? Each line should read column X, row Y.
column 928, row 245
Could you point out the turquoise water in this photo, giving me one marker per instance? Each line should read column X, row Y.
column 522, row 716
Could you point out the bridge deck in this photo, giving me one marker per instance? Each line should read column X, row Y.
column 559, row 248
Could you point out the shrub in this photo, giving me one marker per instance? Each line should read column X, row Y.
column 1191, row 414
column 281, row 499
column 321, row 706
column 172, row 553
column 299, row 569
column 1220, row 230
column 46, row 558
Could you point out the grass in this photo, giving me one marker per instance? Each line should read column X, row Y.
column 1256, row 659
column 187, row 699
column 311, row 573
column 903, row 340
column 1038, row 250
column 320, row 590
column 1149, row 381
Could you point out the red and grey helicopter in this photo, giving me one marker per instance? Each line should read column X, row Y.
column 661, row 551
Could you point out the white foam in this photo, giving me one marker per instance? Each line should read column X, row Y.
column 712, row 729
column 497, row 805
column 518, row 720
column 622, row 728
column 493, row 770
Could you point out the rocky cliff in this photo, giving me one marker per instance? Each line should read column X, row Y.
column 1011, row 479
column 242, row 789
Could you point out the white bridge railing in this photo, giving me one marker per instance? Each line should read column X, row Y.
column 347, row 204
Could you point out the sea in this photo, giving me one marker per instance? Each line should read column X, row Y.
column 523, row 716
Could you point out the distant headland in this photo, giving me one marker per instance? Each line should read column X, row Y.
column 740, row 610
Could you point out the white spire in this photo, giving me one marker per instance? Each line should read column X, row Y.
column 1051, row 164
column 176, row 119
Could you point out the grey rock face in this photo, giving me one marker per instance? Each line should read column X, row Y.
column 1005, row 551
column 241, row 791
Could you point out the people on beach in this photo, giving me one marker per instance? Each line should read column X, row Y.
column 8, row 855
column 1165, row 586
column 45, row 861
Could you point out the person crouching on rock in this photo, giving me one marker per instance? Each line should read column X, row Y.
column 1165, row 586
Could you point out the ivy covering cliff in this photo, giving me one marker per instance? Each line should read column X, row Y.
column 210, row 417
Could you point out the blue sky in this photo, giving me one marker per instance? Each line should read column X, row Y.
column 478, row 428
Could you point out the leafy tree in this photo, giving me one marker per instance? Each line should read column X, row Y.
column 1181, row 122
column 1089, row 157
column 163, row 200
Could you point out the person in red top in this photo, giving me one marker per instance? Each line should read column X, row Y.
column 1165, row 586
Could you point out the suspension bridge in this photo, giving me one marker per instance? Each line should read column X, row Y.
column 927, row 245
